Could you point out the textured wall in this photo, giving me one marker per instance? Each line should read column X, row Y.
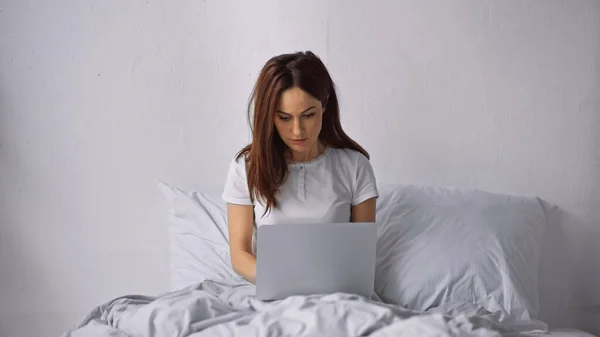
column 100, row 99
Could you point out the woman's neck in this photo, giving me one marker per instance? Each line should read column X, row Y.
column 307, row 156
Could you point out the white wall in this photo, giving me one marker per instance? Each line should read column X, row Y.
column 100, row 99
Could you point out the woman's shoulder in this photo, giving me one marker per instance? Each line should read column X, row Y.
column 237, row 165
column 239, row 158
column 349, row 156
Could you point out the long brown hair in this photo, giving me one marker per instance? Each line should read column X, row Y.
column 265, row 156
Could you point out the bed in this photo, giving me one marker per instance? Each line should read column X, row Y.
column 450, row 262
column 569, row 333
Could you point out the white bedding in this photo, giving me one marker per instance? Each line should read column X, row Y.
column 216, row 309
column 437, row 247
column 569, row 333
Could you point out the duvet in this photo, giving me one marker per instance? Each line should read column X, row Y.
column 218, row 309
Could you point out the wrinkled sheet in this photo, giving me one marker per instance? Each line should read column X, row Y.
column 217, row 309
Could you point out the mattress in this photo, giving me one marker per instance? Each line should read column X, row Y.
column 569, row 333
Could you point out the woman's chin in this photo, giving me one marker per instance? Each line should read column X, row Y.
column 299, row 151
column 299, row 147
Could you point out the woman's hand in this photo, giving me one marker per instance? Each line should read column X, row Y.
column 240, row 219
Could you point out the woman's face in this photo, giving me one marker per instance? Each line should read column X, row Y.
column 298, row 121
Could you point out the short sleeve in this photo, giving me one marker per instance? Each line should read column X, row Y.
column 236, row 184
column 365, row 184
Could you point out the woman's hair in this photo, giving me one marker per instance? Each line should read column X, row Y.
column 265, row 157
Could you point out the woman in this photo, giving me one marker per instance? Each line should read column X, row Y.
column 301, row 167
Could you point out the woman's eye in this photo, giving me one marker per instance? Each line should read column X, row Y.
column 309, row 115
column 284, row 118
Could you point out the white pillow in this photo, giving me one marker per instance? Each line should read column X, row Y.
column 442, row 247
column 199, row 239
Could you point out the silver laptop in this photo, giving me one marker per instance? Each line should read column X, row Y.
column 320, row 258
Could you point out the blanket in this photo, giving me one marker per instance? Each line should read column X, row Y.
column 218, row 309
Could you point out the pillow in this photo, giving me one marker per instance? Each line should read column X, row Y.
column 442, row 247
column 199, row 238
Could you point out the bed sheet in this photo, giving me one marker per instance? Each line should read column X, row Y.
column 217, row 309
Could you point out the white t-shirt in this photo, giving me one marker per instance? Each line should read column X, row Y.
column 322, row 190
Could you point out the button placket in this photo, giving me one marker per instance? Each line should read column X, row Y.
column 302, row 183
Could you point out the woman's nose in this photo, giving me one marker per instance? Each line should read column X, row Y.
column 297, row 128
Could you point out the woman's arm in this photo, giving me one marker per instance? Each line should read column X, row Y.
column 365, row 211
column 240, row 220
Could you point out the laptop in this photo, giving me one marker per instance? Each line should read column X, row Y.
column 319, row 258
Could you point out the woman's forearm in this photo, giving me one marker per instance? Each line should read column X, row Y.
column 244, row 263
